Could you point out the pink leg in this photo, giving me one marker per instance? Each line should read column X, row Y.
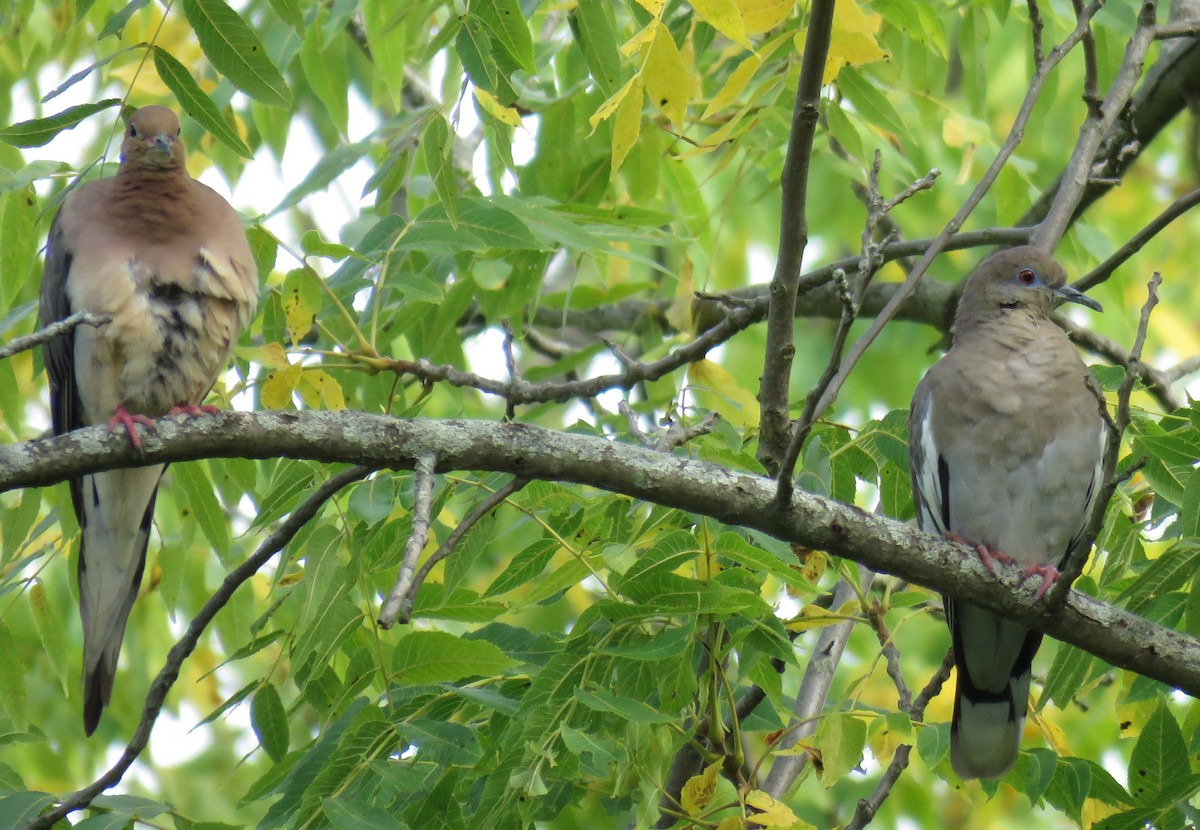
column 193, row 410
column 1048, row 573
column 128, row 421
column 989, row 558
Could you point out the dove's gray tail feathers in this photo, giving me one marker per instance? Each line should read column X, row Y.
column 117, row 511
column 994, row 657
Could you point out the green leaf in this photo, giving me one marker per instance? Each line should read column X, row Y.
column 289, row 12
column 13, row 697
column 635, row 711
column 269, row 720
column 18, row 809
column 50, row 630
column 18, row 242
column 39, row 131
column 437, row 657
column 115, row 25
column 524, row 567
column 236, row 51
column 666, row 644
column 505, row 20
column 474, row 47
column 593, row 28
column 436, row 152
column 326, row 69
column 195, row 103
column 346, row 813
column 842, row 737
column 197, row 501
column 1158, row 757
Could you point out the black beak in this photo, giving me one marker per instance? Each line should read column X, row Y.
column 1067, row 294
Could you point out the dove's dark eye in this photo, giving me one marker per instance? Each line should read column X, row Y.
column 133, row 131
column 1027, row 277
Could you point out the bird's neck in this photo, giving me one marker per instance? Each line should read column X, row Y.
column 1013, row 327
column 156, row 200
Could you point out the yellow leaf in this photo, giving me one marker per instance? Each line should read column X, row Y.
column 732, row 823
column 627, row 126
column 279, row 386
column 320, row 391
column 1095, row 811
column 773, row 813
column 301, row 298
column 725, row 17
column 815, row 563
column 1054, row 734
column 655, row 7
column 699, row 789
column 635, row 43
column 270, row 355
column 492, row 106
column 666, row 76
column 725, row 395
column 759, row 16
column 814, row 616
column 852, row 41
column 679, row 313
column 610, row 106
column 734, row 85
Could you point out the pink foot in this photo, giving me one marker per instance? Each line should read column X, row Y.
column 1048, row 573
column 128, row 421
column 194, row 410
column 989, row 558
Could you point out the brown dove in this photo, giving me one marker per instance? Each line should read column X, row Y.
column 1006, row 442
column 166, row 258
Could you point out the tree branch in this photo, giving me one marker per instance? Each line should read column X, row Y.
column 727, row 495
column 793, row 238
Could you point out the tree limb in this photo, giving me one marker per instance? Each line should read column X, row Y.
column 731, row 496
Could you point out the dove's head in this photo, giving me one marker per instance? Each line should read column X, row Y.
column 152, row 140
column 1024, row 279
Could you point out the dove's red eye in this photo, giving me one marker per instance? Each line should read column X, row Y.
column 1027, row 277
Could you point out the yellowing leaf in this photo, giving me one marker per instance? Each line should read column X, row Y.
column 655, row 7
column 319, row 390
column 610, row 106
column 1054, row 734
column 734, row 85
column 635, row 43
column 279, row 386
column 815, row 563
column 492, row 106
column 852, row 41
column 627, row 126
column 759, row 16
column 270, row 355
column 679, row 313
column 773, row 813
column 960, row 131
column 722, row 393
column 725, row 17
column 666, row 76
column 1095, row 811
column 301, row 297
column 699, row 789
column 732, row 823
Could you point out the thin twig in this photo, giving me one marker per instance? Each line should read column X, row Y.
column 1080, row 166
column 1091, row 83
column 1177, row 28
column 451, row 544
column 891, row 656
column 868, row 807
column 1158, row 383
column 1108, row 482
column 773, row 394
column 187, row 644
column 1011, row 142
column 510, row 364
column 44, row 335
column 418, row 536
column 814, row 688
column 877, row 209
column 520, row 391
column 1036, row 27
column 1105, row 269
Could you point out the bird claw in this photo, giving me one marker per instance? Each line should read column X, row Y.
column 128, row 420
column 989, row 558
column 194, row 410
column 1049, row 575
